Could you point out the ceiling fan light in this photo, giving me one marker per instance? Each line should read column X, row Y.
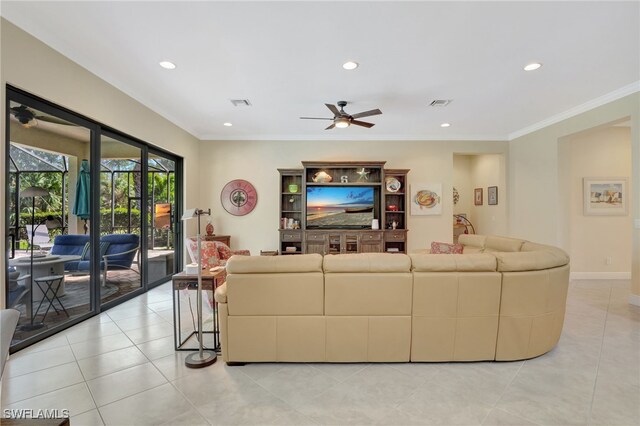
column 342, row 122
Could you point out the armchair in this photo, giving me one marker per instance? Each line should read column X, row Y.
column 214, row 253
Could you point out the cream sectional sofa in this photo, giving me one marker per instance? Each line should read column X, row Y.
column 503, row 299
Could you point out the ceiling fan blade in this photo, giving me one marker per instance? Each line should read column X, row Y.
column 333, row 109
column 362, row 123
column 54, row 120
column 367, row 113
column 331, row 127
column 314, row 118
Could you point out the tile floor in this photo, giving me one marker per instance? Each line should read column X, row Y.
column 119, row 368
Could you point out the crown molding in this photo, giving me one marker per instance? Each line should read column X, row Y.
column 572, row 112
column 345, row 137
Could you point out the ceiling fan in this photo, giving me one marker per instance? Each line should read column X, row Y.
column 341, row 119
column 28, row 117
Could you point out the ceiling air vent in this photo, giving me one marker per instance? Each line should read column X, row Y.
column 440, row 102
column 240, row 102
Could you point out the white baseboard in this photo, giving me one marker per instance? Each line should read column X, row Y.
column 601, row 275
column 634, row 299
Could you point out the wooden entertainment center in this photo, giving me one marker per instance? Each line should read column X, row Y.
column 308, row 224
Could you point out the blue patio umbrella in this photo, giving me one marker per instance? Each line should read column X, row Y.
column 82, row 205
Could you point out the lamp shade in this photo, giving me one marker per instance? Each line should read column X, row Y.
column 34, row 191
column 342, row 122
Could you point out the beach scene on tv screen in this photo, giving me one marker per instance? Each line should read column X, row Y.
column 339, row 206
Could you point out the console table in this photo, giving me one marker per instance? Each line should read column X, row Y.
column 183, row 281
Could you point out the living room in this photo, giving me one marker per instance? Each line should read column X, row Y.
column 544, row 131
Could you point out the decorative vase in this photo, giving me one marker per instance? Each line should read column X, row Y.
column 209, row 228
column 293, row 188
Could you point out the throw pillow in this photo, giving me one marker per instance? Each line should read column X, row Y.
column 223, row 250
column 210, row 256
column 86, row 251
column 446, row 248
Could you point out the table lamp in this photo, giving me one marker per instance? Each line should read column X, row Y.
column 202, row 358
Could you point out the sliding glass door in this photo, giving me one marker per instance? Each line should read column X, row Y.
column 91, row 217
column 121, row 209
column 48, row 271
column 161, row 222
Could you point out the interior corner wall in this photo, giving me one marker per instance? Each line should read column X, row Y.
column 489, row 170
column 52, row 76
column 592, row 239
column 258, row 161
column 534, row 173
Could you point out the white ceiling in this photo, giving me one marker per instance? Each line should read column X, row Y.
column 286, row 57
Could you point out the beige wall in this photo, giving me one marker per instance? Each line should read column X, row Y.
column 592, row 239
column 29, row 64
column 535, row 208
column 462, row 182
column 489, row 170
column 482, row 171
column 258, row 161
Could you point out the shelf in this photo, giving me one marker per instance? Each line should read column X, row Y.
column 393, row 193
column 291, row 211
column 292, row 193
column 365, row 183
column 392, row 211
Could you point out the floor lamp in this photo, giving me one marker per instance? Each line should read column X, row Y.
column 202, row 358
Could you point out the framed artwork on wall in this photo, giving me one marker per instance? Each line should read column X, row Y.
column 492, row 195
column 605, row 196
column 426, row 199
column 477, row 196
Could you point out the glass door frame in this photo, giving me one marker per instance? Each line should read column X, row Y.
column 97, row 130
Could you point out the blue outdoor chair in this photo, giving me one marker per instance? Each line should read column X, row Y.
column 117, row 251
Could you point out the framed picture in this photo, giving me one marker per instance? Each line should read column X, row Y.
column 477, row 196
column 605, row 196
column 426, row 199
column 492, row 195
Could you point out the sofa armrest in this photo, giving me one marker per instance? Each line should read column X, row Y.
column 221, row 293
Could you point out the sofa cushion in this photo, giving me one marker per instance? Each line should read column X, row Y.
column 498, row 244
column 367, row 262
column 69, row 245
column 274, row 264
column 453, row 262
column 531, row 260
column 471, row 240
column 446, row 248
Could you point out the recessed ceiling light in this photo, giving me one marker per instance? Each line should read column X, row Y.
column 167, row 65
column 227, row 124
column 532, row 66
column 350, row 65
column 445, row 125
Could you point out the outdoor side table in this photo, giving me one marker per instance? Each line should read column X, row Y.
column 185, row 308
column 50, row 293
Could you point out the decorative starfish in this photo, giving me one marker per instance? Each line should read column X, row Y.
column 364, row 175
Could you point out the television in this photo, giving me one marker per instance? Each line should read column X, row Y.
column 340, row 207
